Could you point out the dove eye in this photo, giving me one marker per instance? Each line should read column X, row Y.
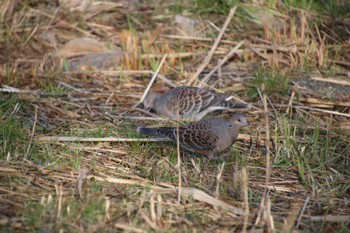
column 230, row 126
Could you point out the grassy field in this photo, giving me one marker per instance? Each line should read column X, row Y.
column 70, row 157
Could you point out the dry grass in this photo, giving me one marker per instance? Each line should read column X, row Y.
column 288, row 171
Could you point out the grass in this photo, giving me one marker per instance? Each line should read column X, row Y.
column 42, row 214
column 332, row 8
column 207, row 7
column 275, row 83
column 13, row 132
column 312, row 152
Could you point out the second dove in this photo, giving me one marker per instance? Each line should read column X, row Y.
column 188, row 103
column 205, row 137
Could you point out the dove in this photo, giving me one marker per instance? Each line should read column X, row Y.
column 205, row 137
column 188, row 103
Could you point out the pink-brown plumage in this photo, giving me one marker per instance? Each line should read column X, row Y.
column 188, row 103
column 205, row 137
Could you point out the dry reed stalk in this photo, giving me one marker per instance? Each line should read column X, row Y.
column 128, row 228
column 149, row 221
column 269, row 218
column 245, row 198
column 178, row 157
column 152, row 206
column 159, row 207
column 79, row 186
column 311, row 100
column 146, row 118
column 268, row 162
column 144, row 112
column 153, row 79
column 290, row 102
column 330, row 218
column 51, row 139
column 218, row 180
column 9, row 89
column 110, row 72
column 207, row 59
column 228, row 56
column 323, row 110
column 301, row 213
column 149, row 84
column 264, row 204
column 107, row 139
column 331, row 80
column 107, row 208
column 259, row 210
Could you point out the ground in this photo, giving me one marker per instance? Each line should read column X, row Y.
column 72, row 76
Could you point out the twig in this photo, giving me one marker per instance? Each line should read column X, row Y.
column 146, row 118
column 31, row 35
column 290, row 102
column 111, row 72
column 241, row 137
column 213, row 48
column 70, row 86
column 260, row 209
column 9, row 89
column 311, row 100
column 245, row 197
column 323, row 110
column 268, row 167
column 149, row 221
column 59, row 193
column 153, row 78
column 302, row 210
column 107, row 139
column 330, row 218
column 145, row 112
column 269, row 217
column 149, row 84
column 218, row 180
column 178, row 157
column 32, row 134
column 80, row 181
column 128, row 228
column 329, row 80
column 228, row 56
column 166, row 80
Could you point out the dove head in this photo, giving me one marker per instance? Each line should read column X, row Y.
column 149, row 99
column 239, row 120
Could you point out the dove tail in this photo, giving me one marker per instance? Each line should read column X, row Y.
column 231, row 104
column 147, row 131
